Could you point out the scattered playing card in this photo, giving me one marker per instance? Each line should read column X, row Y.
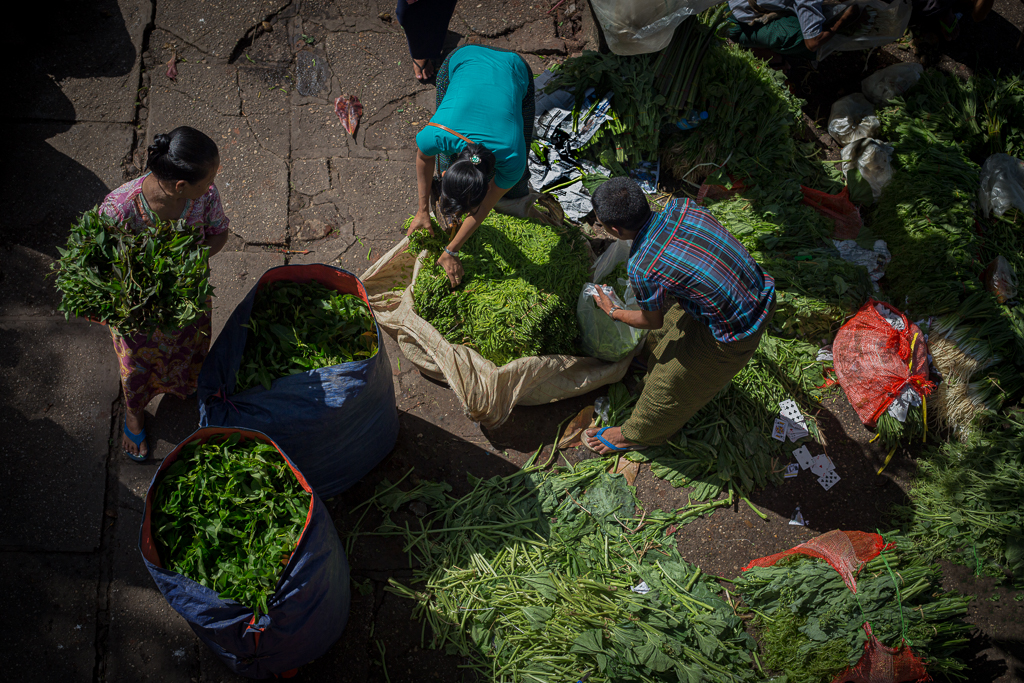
column 795, row 432
column 779, row 430
column 790, row 410
column 828, row 480
column 792, row 469
column 821, row 464
column 803, row 456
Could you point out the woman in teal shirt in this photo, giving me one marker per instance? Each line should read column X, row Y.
column 480, row 134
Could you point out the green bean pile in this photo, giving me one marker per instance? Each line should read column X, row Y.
column 518, row 294
column 529, row 577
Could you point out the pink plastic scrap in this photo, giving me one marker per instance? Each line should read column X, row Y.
column 348, row 109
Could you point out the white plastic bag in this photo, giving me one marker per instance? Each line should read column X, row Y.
column 889, row 22
column 1002, row 185
column 636, row 27
column 892, row 81
column 601, row 336
column 852, row 118
column 873, row 159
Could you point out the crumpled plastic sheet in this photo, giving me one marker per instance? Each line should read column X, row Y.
column 875, row 260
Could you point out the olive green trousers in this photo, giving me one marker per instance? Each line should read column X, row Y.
column 687, row 366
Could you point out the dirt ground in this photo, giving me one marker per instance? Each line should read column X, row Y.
column 298, row 190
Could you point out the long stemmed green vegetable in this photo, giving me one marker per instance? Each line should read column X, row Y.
column 297, row 327
column 134, row 280
column 228, row 514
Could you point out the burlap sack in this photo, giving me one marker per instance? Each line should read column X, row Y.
column 487, row 392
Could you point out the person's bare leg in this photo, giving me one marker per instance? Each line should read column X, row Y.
column 422, row 69
column 136, row 422
column 613, row 435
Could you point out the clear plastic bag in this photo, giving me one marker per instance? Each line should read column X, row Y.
column 852, row 118
column 888, row 22
column 892, row 81
column 1000, row 279
column 1002, row 185
column 636, row 27
column 601, row 336
column 872, row 159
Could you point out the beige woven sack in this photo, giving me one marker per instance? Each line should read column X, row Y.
column 487, row 392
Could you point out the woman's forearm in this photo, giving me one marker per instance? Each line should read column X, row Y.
column 424, row 176
column 216, row 242
column 473, row 221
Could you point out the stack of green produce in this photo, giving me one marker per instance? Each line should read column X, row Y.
column 530, row 577
column 228, row 514
column 297, row 327
column 152, row 278
column 518, row 295
column 811, row 625
column 727, row 445
column 965, row 504
column 677, row 69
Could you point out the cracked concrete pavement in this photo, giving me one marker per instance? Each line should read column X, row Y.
column 260, row 77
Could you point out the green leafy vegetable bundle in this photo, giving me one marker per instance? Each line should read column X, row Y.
column 530, row 577
column 811, row 624
column 228, row 514
column 296, row 327
column 519, row 292
column 134, row 280
column 965, row 504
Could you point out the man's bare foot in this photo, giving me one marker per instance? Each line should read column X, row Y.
column 136, row 424
column 612, row 435
column 422, row 69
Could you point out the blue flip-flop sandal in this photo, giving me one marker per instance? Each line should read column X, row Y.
column 136, row 439
column 608, row 443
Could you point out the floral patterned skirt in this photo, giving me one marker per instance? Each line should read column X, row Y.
column 161, row 362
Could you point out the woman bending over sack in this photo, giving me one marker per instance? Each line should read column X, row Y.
column 182, row 165
column 480, row 136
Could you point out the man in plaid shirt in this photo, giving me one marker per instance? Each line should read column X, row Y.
column 704, row 298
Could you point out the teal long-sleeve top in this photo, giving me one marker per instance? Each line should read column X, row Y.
column 483, row 102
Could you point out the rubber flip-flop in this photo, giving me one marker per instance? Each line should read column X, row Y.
column 607, row 443
column 136, row 439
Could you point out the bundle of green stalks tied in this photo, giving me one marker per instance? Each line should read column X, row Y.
column 727, row 446
column 677, row 69
column 530, row 576
column 155, row 277
column 228, row 514
column 810, row 625
column 297, row 327
column 518, row 294
column 965, row 503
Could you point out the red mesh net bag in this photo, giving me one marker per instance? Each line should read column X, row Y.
column 846, row 551
column 881, row 664
column 719, row 192
column 874, row 361
column 845, row 216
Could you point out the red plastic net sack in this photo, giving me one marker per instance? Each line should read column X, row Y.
column 846, row 551
column 874, row 361
column 845, row 216
column 881, row 664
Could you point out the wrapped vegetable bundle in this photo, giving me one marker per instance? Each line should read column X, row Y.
column 530, row 575
column 296, row 327
column 228, row 514
column 142, row 280
column 815, row 629
column 518, row 295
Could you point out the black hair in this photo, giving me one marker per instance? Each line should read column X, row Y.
column 183, row 154
column 464, row 184
column 620, row 203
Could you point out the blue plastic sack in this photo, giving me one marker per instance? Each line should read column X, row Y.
column 307, row 612
column 335, row 423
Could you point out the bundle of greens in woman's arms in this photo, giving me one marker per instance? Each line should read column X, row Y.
column 156, row 277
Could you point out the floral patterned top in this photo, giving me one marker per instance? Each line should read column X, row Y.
column 127, row 203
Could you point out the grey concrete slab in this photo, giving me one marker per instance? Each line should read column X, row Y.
column 27, row 290
column 100, row 83
column 264, row 90
column 492, row 19
column 316, row 133
column 49, row 609
column 147, row 640
column 212, row 85
column 59, row 382
column 233, row 274
column 310, row 176
column 56, row 171
column 215, row 26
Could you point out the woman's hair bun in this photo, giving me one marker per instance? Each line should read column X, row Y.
column 161, row 143
column 183, row 154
